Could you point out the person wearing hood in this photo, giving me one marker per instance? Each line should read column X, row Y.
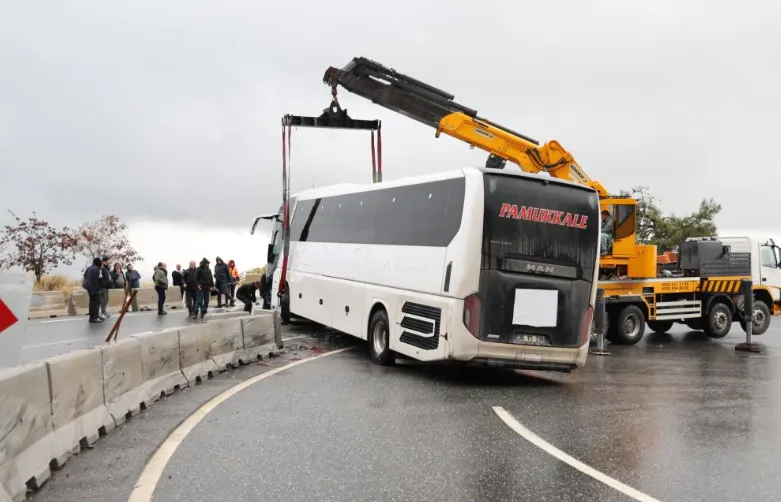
column 91, row 283
column 234, row 280
column 160, row 278
column 205, row 280
column 222, row 281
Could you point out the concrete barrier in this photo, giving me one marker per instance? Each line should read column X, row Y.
column 259, row 336
column 50, row 409
column 195, row 349
column 48, row 304
column 26, row 433
column 160, row 364
column 146, row 299
column 79, row 412
column 123, row 379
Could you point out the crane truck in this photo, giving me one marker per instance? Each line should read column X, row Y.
column 705, row 294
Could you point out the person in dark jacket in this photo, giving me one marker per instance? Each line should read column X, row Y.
column 246, row 294
column 160, row 278
column 92, row 285
column 177, row 279
column 105, row 285
column 133, row 282
column 205, row 282
column 222, row 279
column 190, row 280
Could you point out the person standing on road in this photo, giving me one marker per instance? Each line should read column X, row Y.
column 234, row 280
column 246, row 295
column 92, row 285
column 133, row 282
column 222, row 281
column 190, row 279
column 176, row 277
column 205, row 286
column 117, row 277
column 160, row 278
column 105, row 285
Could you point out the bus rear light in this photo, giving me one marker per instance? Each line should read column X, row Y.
column 585, row 325
column 472, row 314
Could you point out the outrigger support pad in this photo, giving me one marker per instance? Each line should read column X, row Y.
column 332, row 117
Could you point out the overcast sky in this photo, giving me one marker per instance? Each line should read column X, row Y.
column 168, row 113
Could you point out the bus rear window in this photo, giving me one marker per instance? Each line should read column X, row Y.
column 530, row 223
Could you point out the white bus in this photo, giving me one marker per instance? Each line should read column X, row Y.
column 475, row 265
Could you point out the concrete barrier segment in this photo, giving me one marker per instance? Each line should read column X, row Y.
column 123, row 378
column 259, row 337
column 227, row 343
column 26, row 432
column 48, row 304
column 79, row 413
column 160, row 358
column 195, row 357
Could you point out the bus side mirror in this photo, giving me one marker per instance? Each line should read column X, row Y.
column 270, row 253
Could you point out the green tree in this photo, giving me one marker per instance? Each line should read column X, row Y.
column 667, row 231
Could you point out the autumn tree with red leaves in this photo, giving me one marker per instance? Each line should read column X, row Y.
column 36, row 246
column 105, row 237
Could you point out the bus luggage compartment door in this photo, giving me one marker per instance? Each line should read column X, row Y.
column 525, row 309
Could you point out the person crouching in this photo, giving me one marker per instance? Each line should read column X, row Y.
column 246, row 295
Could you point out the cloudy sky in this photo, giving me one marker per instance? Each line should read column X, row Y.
column 168, row 113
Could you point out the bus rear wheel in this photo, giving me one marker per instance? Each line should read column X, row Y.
column 379, row 339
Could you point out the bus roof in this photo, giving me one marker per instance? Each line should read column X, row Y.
column 345, row 188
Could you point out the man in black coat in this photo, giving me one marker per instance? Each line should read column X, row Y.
column 178, row 279
column 222, row 278
column 105, row 285
column 190, row 280
column 246, row 294
column 205, row 282
column 92, row 283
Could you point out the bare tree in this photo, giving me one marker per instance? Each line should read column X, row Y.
column 35, row 245
column 105, row 237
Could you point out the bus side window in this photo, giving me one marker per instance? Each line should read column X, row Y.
column 624, row 220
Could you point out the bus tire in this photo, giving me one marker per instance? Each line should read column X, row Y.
column 660, row 326
column 379, row 339
column 629, row 326
column 762, row 316
column 718, row 321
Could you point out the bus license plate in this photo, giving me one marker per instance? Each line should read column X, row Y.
column 529, row 339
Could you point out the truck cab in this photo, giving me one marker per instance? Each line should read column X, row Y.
column 765, row 267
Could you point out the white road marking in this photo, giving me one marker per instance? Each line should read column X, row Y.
column 147, row 482
column 540, row 443
column 99, row 340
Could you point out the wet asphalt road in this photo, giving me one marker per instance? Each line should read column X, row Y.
column 677, row 417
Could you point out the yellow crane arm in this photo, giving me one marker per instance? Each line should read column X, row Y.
column 436, row 108
column 531, row 158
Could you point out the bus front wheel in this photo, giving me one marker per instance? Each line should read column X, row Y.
column 379, row 338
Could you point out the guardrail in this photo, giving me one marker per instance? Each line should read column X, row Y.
column 50, row 409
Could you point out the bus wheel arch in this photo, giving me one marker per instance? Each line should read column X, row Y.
column 378, row 335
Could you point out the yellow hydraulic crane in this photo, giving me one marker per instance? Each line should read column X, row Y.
column 436, row 108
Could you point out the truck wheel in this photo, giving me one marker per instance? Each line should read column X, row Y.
column 628, row 326
column 761, row 318
column 719, row 321
column 379, row 339
column 660, row 326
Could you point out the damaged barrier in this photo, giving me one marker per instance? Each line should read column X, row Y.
column 50, row 410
